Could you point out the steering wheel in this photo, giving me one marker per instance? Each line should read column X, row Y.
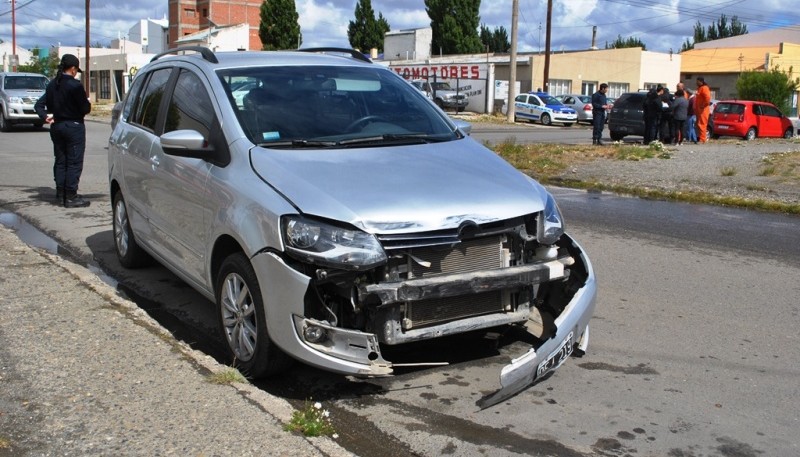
column 364, row 120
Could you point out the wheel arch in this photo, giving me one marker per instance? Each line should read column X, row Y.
column 223, row 248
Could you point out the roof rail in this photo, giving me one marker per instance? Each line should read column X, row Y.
column 351, row 52
column 207, row 54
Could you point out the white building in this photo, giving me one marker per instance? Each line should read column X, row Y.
column 222, row 38
column 23, row 56
column 152, row 34
column 409, row 44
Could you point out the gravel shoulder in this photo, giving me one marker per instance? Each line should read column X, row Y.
column 726, row 167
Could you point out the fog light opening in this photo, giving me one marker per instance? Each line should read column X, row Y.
column 314, row 334
column 372, row 355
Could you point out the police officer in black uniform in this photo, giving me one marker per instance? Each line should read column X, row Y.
column 66, row 99
column 599, row 107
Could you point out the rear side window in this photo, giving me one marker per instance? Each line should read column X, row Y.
column 147, row 110
column 632, row 101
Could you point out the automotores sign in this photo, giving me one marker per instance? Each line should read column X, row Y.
column 468, row 78
column 443, row 71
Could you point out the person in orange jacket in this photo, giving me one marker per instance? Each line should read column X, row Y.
column 702, row 100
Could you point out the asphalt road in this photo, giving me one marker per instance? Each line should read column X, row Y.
column 693, row 350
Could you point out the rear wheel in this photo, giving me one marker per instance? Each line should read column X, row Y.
column 242, row 320
column 751, row 134
column 129, row 253
column 546, row 119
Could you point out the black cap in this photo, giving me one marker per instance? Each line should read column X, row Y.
column 69, row 61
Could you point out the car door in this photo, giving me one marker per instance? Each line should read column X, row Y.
column 524, row 108
column 135, row 139
column 179, row 195
column 770, row 122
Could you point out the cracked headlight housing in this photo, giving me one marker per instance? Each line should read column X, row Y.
column 325, row 244
column 551, row 223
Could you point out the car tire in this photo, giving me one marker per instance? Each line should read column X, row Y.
column 751, row 134
column 129, row 253
column 546, row 119
column 5, row 126
column 714, row 136
column 616, row 136
column 788, row 133
column 242, row 320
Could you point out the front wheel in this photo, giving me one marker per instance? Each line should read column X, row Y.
column 751, row 134
column 129, row 253
column 4, row 125
column 788, row 133
column 546, row 119
column 242, row 320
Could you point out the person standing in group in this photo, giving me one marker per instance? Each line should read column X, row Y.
column 66, row 99
column 652, row 113
column 599, row 107
column 680, row 108
column 702, row 101
column 691, row 121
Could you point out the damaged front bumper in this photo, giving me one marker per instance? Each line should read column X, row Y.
column 354, row 352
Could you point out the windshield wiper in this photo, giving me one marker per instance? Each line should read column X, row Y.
column 403, row 138
column 299, row 144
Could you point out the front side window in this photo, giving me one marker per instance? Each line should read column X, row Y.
column 190, row 107
column 771, row 111
column 337, row 106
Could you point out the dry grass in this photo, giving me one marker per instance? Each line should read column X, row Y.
column 785, row 166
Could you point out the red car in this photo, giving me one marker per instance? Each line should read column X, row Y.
column 750, row 120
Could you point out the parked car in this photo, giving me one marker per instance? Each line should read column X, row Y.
column 442, row 94
column 336, row 212
column 627, row 116
column 750, row 120
column 18, row 93
column 539, row 106
column 582, row 104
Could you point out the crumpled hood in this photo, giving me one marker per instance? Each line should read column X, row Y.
column 397, row 189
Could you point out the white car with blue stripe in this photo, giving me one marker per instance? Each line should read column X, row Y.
column 542, row 107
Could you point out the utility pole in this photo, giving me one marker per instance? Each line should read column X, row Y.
column 512, row 80
column 86, row 76
column 13, row 37
column 546, row 82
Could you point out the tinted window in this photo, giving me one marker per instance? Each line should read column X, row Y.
column 190, row 107
column 629, row 101
column 729, row 108
column 770, row 111
column 521, row 99
column 25, row 83
column 147, row 110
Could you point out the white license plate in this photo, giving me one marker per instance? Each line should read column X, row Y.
column 722, row 127
column 556, row 358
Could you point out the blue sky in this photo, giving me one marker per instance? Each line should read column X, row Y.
column 661, row 25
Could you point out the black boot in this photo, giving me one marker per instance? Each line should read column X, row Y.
column 59, row 194
column 76, row 201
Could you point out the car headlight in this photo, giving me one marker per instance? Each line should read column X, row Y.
column 14, row 99
column 329, row 245
column 551, row 223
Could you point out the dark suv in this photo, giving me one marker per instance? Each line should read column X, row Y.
column 627, row 116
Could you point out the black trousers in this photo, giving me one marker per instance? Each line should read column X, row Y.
column 69, row 145
column 598, row 123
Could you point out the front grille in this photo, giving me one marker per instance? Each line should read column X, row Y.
column 425, row 313
column 473, row 255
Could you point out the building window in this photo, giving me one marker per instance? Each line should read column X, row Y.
column 104, row 91
column 649, row 86
column 205, row 12
column 617, row 89
column 188, row 12
column 588, row 87
column 560, row 86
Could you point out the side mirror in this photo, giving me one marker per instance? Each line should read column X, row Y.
column 464, row 126
column 186, row 143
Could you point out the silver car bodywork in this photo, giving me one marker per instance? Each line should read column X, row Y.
column 435, row 237
column 18, row 93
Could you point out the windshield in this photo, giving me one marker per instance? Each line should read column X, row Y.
column 321, row 106
column 550, row 100
column 441, row 86
column 25, row 83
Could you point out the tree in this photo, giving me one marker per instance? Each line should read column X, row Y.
column 366, row 32
column 455, row 26
column 630, row 42
column 773, row 86
column 279, row 28
column 45, row 65
column 495, row 41
column 715, row 31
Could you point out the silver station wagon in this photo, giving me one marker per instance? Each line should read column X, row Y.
column 330, row 210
